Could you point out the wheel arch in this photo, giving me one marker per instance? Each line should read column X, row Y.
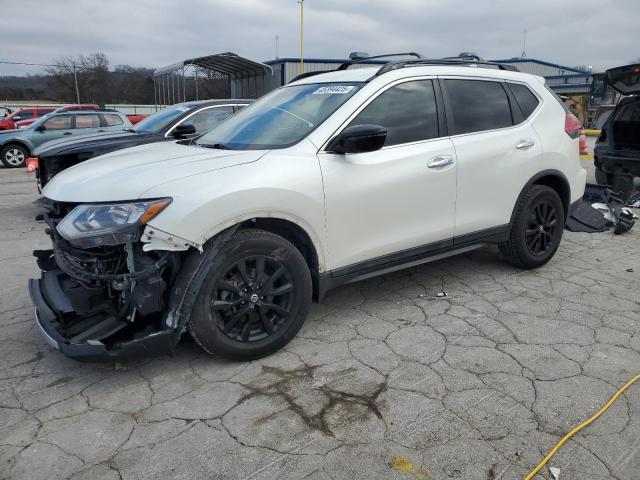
column 554, row 179
column 291, row 228
column 17, row 142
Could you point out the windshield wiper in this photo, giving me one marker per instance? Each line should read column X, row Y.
column 218, row 146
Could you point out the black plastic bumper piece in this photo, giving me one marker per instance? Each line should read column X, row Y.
column 51, row 303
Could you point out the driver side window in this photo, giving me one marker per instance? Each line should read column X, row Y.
column 208, row 118
column 407, row 110
column 59, row 122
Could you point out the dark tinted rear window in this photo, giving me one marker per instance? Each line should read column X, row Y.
column 478, row 105
column 527, row 101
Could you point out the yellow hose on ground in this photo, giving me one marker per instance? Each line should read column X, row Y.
column 580, row 427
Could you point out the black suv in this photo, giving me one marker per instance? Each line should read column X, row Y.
column 179, row 121
column 617, row 150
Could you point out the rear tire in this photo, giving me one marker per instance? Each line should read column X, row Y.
column 623, row 186
column 14, row 156
column 602, row 178
column 536, row 229
column 254, row 299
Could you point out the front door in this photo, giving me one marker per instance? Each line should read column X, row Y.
column 398, row 200
column 55, row 127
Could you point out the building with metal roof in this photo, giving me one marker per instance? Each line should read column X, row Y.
column 250, row 79
column 562, row 79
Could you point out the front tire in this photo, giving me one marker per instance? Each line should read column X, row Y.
column 536, row 230
column 14, row 156
column 254, row 299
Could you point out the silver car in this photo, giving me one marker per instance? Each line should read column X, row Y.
column 16, row 145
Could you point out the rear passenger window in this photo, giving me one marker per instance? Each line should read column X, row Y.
column 87, row 121
column 478, row 105
column 111, row 120
column 527, row 101
column 407, row 111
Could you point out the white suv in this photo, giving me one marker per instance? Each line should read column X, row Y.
column 331, row 179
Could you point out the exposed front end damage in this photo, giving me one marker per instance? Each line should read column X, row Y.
column 106, row 302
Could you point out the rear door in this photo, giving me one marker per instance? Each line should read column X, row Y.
column 87, row 124
column 497, row 151
column 397, row 202
column 625, row 79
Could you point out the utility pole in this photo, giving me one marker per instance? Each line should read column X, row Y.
column 75, row 79
column 301, row 2
column 524, row 45
column 276, row 46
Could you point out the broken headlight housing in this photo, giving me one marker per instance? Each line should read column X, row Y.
column 95, row 225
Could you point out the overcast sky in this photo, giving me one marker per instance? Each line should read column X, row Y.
column 154, row 33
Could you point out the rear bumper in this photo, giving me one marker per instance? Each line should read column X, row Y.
column 611, row 162
column 52, row 310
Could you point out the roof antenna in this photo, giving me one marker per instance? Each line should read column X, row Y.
column 524, row 45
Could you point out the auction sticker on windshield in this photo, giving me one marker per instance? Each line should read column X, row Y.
column 333, row 89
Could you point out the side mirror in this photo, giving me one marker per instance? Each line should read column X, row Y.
column 40, row 128
column 359, row 139
column 183, row 130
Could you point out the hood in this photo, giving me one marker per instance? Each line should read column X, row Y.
column 128, row 174
column 87, row 142
column 625, row 79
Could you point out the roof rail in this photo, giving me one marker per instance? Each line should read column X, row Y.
column 346, row 65
column 308, row 74
column 470, row 61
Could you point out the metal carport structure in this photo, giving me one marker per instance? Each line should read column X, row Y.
column 247, row 78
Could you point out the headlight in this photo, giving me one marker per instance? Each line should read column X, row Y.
column 93, row 225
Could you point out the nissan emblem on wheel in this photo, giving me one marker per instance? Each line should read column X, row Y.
column 334, row 178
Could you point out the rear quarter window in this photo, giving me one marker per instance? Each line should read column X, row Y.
column 477, row 105
column 111, row 120
column 525, row 98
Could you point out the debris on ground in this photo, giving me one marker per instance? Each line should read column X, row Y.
column 634, row 200
column 118, row 366
column 442, row 294
column 405, row 465
column 600, row 210
column 555, row 472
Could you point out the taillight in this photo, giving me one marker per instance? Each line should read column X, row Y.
column 572, row 126
column 32, row 164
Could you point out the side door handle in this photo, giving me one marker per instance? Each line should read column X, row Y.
column 525, row 143
column 100, row 131
column 440, row 161
column 67, row 133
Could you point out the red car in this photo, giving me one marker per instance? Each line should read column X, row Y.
column 31, row 114
column 135, row 118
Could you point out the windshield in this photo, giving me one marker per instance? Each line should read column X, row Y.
column 158, row 121
column 280, row 118
column 39, row 121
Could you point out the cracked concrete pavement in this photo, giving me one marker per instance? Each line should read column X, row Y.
column 479, row 385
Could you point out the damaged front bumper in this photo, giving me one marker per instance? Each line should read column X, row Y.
column 96, row 335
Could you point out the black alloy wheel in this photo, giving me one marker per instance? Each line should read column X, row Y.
column 541, row 227
column 536, row 228
column 253, row 299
